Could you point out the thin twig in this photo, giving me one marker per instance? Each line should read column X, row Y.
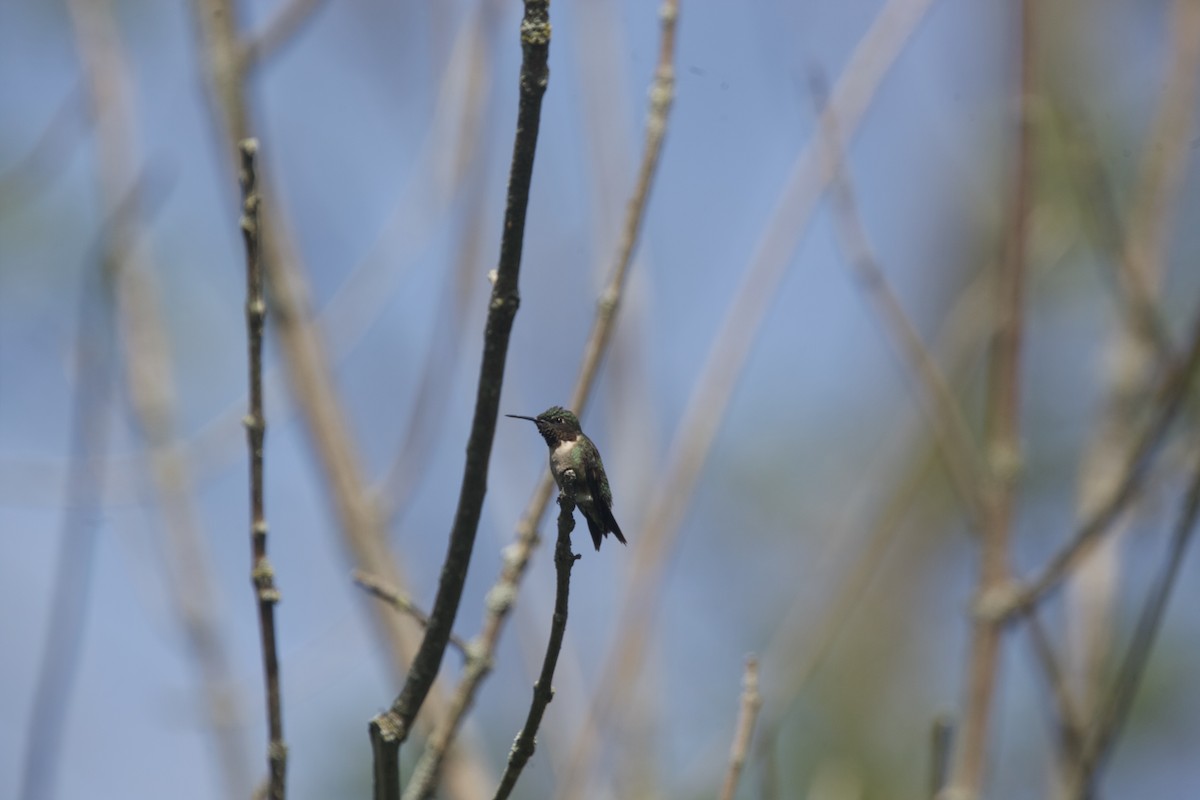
column 261, row 572
column 309, row 371
column 958, row 343
column 380, row 589
column 1142, row 344
column 662, row 95
column 1111, row 721
column 279, row 31
column 390, row 729
column 1002, row 436
column 1070, row 723
column 810, row 174
column 1163, row 167
column 747, row 715
column 501, row 597
column 957, row 445
column 1115, row 468
column 543, row 690
column 955, row 442
column 90, row 422
column 1095, row 193
column 356, row 304
column 1165, row 404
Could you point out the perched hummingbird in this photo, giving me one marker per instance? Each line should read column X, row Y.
column 570, row 449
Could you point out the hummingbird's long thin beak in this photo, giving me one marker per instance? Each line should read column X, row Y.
column 519, row 416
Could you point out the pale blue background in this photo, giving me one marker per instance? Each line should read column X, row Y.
column 343, row 113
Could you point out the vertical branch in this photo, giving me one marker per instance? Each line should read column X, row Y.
column 262, row 574
column 543, row 690
column 1002, row 436
column 747, row 716
column 301, row 348
column 390, row 729
column 504, row 592
column 309, row 371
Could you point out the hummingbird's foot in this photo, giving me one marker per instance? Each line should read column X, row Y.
column 566, row 488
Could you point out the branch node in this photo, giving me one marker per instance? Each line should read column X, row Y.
column 1005, row 460
column 997, row 603
column 500, row 599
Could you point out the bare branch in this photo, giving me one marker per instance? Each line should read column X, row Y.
column 379, row 588
column 1166, row 404
column 390, row 729
column 1141, row 346
column 1070, row 723
column 543, row 690
column 309, row 372
column 751, row 702
column 279, row 31
column 187, row 575
column 964, row 464
column 261, row 572
column 516, row 557
column 1002, row 436
column 732, row 344
column 1111, row 721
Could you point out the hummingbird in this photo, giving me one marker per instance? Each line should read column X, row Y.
column 571, row 450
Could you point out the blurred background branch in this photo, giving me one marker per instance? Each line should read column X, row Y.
column 785, row 489
column 62, row 650
column 710, row 396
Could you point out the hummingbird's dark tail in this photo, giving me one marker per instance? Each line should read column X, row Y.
column 615, row 528
column 599, row 527
column 594, row 529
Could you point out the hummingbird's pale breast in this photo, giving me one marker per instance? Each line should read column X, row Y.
column 565, row 456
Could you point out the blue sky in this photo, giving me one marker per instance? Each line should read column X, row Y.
column 348, row 117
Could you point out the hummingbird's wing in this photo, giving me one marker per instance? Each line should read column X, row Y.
column 598, row 488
